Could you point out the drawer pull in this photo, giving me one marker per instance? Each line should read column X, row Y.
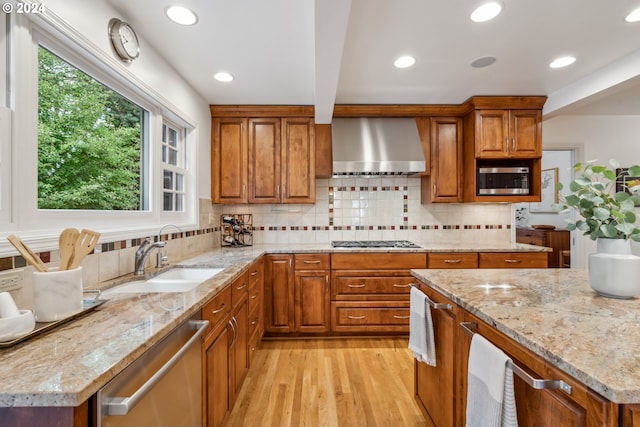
column 253, row 273
column 356, row 317
column 395, row 316
column 452, row 261
column 538, row 384
column 356, row 286
column 513, row 261
column 312, row 262
column 218, row 310
column 241, row 287
column 253, row 322
column 396, row 285
column 254, row 296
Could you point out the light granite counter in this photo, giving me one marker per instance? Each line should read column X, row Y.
column 555, row 314
column 69, row 364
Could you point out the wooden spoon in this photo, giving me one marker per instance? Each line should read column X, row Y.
column 85, row 243
column 27, row 253
column 67, row 243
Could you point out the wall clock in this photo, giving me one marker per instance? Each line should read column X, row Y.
column 124, row 40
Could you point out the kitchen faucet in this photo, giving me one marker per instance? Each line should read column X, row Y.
column 143, row 253
column 162, row 258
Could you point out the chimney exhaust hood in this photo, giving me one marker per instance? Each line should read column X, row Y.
column 376, row 146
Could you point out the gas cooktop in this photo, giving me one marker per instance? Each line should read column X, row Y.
column 373, row 244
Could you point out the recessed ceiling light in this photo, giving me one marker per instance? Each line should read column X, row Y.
column 181, row 15
column 634, row 16
column 404, row 61
column 562, row 62
column 486, row 12
column 223, row 77
column 485, row 61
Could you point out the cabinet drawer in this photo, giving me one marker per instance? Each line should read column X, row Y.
column 531, row 237
column 239, row 289
column 513, row 260
column 256, row 273
column 378, row 261
column 217, row 308
column 254, row 321
column 312, row 261
column 356, row 284
column 453, row 260
column 255, row 297
column 254, row 344
column 370, row 317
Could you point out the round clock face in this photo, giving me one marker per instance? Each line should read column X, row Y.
column 124, row 40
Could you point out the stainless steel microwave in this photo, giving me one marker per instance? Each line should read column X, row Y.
column 503, row 180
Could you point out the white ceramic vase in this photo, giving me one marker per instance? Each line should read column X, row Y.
column 614, row 271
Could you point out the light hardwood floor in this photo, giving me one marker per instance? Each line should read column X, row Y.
column 354, row 382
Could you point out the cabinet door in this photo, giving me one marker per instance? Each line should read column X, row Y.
column 229, row 160
column 525, row 131
column 239, row 350
column 312, row 303
column 435, row 384
column 264, row 160
column 216, row 360
column 492, row 134
column 278, row 294
column 298, row 161
column 446, row 159
column 512, row 260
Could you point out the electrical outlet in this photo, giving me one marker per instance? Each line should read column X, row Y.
column 11, row 280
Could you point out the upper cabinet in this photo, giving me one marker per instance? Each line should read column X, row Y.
column 444, row 182
column 501, row 134
column 266, row 159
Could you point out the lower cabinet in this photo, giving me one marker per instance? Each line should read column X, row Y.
column 435, row 385
column 441, row 391
column 278, row 294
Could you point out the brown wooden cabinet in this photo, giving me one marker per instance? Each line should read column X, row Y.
column 439, row 407
column 444, row 183
column 216, row 371
column 452, row 260
column 267, row 156
column 512, row 260
column 558, row 240
column 229, row 140
column 312, row 295
column 256, row 306
column 582, row 408
column 370, row 292
column 279, row 294
column 508, row 134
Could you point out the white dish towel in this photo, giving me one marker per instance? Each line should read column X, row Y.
column 421, row 340
column 490, row 398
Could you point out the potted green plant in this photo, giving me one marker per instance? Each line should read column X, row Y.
column 609, row 217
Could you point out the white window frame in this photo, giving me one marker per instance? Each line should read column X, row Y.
column 5, row 124
column 41, row 227
column 181, row 167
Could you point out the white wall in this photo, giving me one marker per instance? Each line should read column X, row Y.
column 601, row 138
column 91, row 19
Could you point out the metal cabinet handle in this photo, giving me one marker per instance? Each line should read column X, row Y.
column 253, row 273
column 312, row 262
column 395, row 285
column 395, row 316
column 254, row 296
column 122, row 405
column 536, row 383
column 513, row 261
column 356, row 286
column 356, row 317
column 244, row 285
column 434, row 305
column 452, row 261
column 218, row 310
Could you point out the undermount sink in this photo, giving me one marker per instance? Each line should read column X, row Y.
column 174, row 280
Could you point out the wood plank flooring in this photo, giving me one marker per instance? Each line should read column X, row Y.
column 354, row 382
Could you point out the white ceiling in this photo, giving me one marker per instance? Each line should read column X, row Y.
column 306, row 52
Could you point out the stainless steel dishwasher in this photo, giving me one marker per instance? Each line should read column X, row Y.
column 163, row 387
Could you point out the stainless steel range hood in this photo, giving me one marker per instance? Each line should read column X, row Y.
column 376, row 146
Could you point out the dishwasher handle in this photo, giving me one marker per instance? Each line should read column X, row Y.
column 122, row 405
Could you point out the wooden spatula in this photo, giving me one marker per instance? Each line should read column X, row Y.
column 85, row 243
column 27, row 253
column 67, row 243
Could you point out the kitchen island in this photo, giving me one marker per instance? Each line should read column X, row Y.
column 551, row 317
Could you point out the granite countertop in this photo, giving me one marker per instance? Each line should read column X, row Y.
column 555, row 313
column 69, row 364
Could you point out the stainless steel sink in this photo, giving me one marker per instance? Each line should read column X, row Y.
column 174, row 280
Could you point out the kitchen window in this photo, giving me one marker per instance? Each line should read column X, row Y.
column 108, row 175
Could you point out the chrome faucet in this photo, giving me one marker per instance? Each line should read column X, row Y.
column 162, row 258
column 143, row 253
